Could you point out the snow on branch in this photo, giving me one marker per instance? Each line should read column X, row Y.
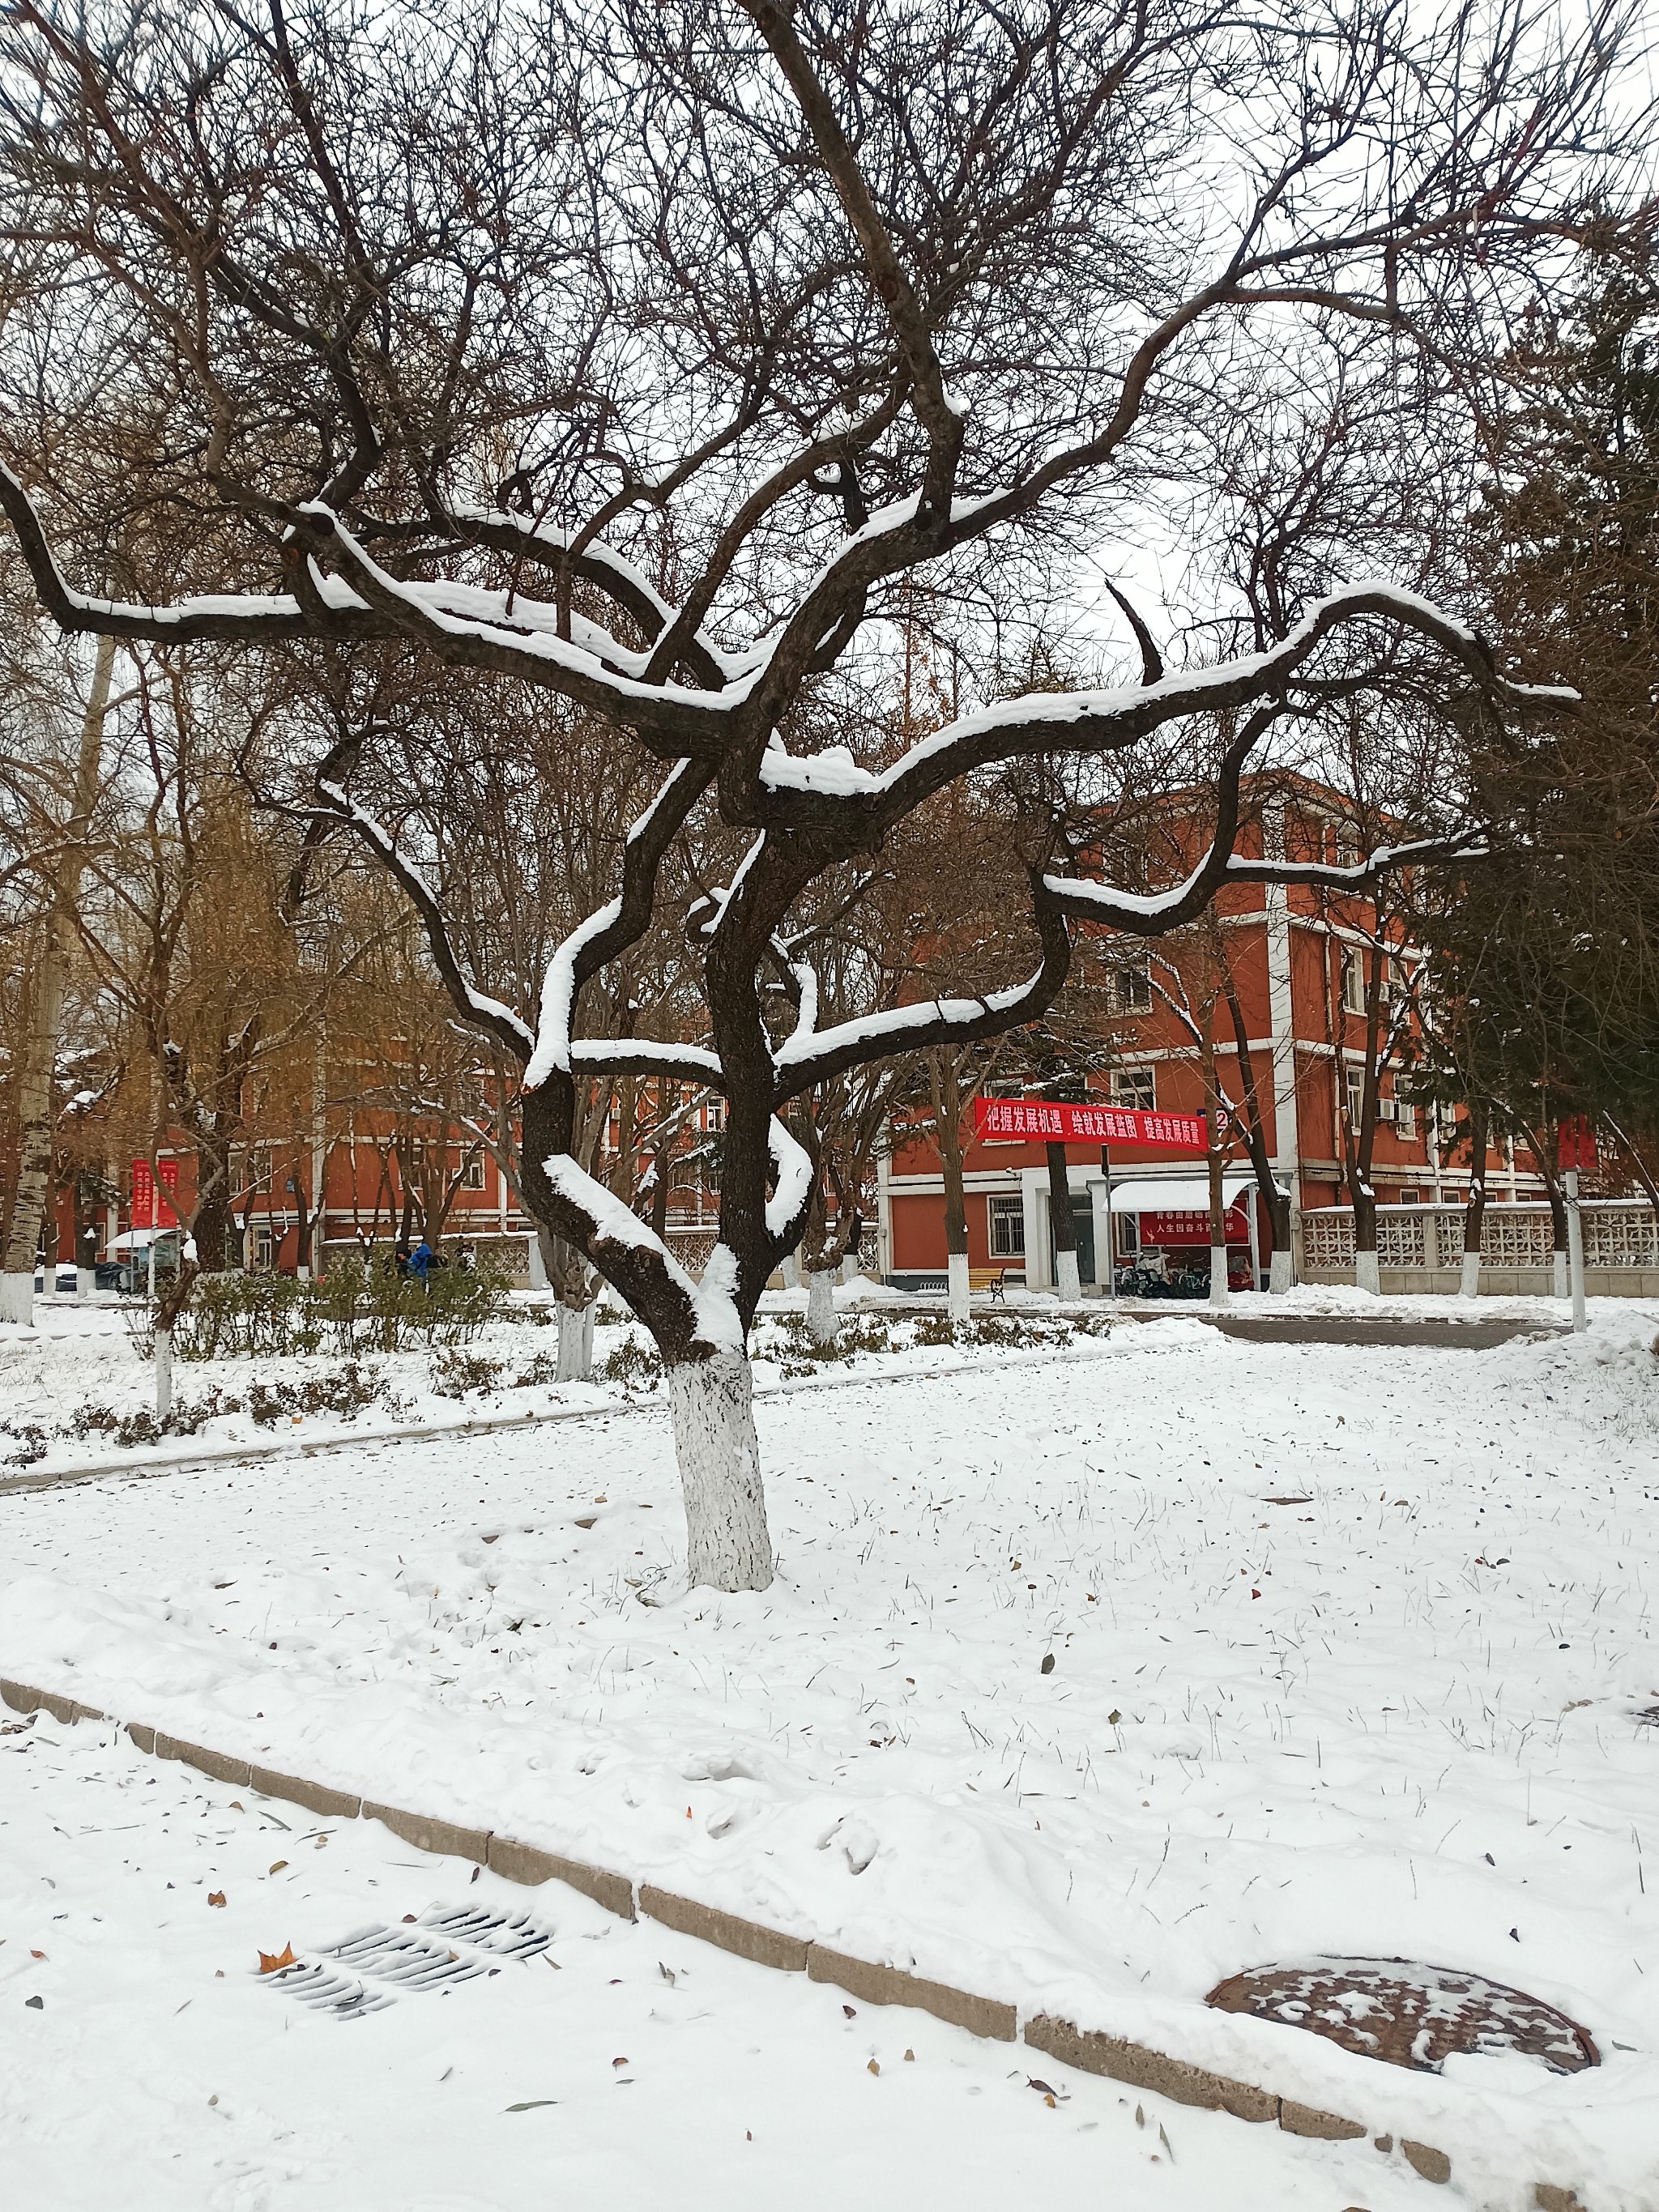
column 475, row 1007
column 804, row 1060
column 794, row 1186
column 1074, row 721
column 689, row 719
column 558, row 1005
column 691, row 1063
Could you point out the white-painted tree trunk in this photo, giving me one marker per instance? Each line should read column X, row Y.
column 958, row 1296
column 85, row 1282
column 575, row 1344
column 163, row 1359
column 1468, row 1285
column 17, row 1299
column 1367, row 1273
column 727, row 1544
column 849, row 1268
column 1067, row 1283
column 1278, row 1273
column 1217, row 1274
column 820, row 1305
column 1560, row 1276
column 791, row 1271
column 539, row 1277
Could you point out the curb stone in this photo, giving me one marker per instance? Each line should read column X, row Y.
column 1090, row 2050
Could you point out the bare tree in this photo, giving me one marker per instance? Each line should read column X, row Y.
column 656, row 381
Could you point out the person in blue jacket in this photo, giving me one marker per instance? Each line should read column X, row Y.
column 422, row 1261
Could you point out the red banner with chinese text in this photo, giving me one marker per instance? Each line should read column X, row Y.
column 1193, row 1228
column 144, row 1195
column 1040, row 1121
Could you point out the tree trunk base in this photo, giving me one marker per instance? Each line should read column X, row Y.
column 1560, row 1276
column 85, row 1282
column 575, row 1344
column 163, row 1358
column 820, row 1305
column 17, row 1299
column 1367, row 1273
column 959, row 1295
column 728, row 1547
column 1468, row 1285
column 1067, row 1283
column 1279, row 1274
column 1217, row 1274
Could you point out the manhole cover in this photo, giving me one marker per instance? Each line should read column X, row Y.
column 1407, row 2015
column 367, row 1971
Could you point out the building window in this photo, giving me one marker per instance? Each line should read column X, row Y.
column 1353, row 984
column 1007, row 1228
column 1353, row 1084
column 714, row 1115
column 1132, row 990
column 1411, row 1198
column 472, row 1172
column 1136, row 1087
column 262, row 1250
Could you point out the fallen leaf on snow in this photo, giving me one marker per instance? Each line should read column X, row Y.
column 216, row 1897
column 272, row 1962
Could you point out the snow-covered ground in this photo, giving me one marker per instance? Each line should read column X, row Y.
column 1350, row 1648
column 72, row 1387
column 156, row 2074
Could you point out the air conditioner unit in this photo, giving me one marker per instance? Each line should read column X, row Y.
column 1386, row 1110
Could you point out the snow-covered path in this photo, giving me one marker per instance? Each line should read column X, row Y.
column 155, row 2073
column 1349, row 1651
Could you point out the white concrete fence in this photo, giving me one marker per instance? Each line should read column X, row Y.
column 1421, row 1248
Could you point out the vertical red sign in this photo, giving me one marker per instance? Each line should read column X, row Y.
column 144, row 1195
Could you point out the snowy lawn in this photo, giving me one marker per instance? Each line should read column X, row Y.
column 75, row 1390
column 157, row 2072
column 1396, row 1714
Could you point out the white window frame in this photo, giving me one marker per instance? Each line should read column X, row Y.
column 1352, row 984
column 1354, row 1093
column 1132, row 988
column 472, row 1173
column 1135, row 1087
column 1006, row 1227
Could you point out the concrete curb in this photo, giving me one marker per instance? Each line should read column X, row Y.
column 234, row 1454
column 1088, row 2050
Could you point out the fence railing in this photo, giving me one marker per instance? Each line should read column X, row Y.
column 1618, row 1233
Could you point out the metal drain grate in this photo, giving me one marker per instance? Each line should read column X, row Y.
column 515, row 1937
column 448, row 1945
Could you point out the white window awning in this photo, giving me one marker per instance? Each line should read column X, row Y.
column 1176, row 1194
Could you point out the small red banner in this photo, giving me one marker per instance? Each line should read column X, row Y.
column 1195, row 1228
column 144, row 1195
column 1040, row 1121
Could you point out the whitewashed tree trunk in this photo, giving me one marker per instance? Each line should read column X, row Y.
column 959, row 1295
column 791, row 1271
column 17, row 1298
column 538, row 1275
column 575, row 1344
column 849, row 1268
column 1067, row 1282
column 1367, row 1273
column 1217, row 1274
column 85, row 1282
column 727, row 1543
column 1560, row 1283
column 1278, row 1273
column 1469, row 1280
column 163, row 1359
column 820, row 1305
